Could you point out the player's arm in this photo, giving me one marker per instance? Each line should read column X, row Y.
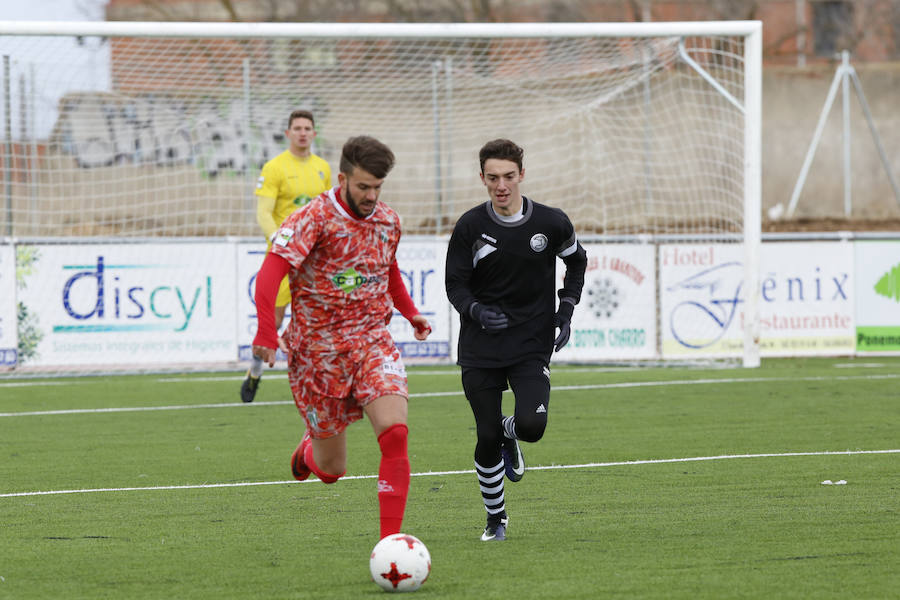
column 265, row 207
column 458, row 272
column 461, row 258
column 404, row 303
column 575, row 258
column 273, row 270
column 267, row 186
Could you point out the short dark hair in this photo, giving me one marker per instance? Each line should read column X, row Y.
column 368, row 154
column 502, row 149
column 301, row 114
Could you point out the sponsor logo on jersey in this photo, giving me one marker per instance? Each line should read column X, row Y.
column 541, row 409
column 538, row 242
column 351, row 279
column 283, row 236
column 489, row 238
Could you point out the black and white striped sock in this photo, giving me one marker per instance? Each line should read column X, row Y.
column 490, row 481
column 509, row 427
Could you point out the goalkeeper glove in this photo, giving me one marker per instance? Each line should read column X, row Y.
column 563, row 320
column 490, row 318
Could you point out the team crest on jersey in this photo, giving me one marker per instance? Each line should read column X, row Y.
column 283, row 236
column 538, row 242
column 312, row 417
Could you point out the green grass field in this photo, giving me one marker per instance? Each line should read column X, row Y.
column 649, row 483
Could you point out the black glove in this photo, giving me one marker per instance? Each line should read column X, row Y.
column 563, row 320
column 490, row 318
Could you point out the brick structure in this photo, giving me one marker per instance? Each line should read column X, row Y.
column 796, row 32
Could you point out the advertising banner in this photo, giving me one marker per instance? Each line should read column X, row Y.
column 700, row 300
column 806, row 299
column 616, row 318
column 9, row 339
column 877, row 296
column 421, row 263
column 168, row 303
column 130, row 304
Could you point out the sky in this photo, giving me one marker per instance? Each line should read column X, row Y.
column 52, row 10
column 46, row 79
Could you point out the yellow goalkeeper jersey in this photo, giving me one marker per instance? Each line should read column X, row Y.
column 285, row 184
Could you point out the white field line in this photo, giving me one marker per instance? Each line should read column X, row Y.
column 598, row 386
column 121, row 409
column 429, row 373
column 462, row 472
column 283, row 373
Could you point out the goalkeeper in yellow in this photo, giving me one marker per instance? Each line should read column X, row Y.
column 287, row 182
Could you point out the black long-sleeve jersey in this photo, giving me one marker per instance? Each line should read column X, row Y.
column 511, row 266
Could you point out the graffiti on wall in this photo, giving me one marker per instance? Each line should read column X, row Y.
column 217, row 136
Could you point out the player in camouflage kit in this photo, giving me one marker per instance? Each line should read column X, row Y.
column 339, row 254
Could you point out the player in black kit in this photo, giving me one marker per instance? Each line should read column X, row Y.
column 501, row 278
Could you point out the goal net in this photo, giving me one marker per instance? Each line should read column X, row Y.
column 147, row 139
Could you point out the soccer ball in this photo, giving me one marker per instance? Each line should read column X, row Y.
column 400, row 563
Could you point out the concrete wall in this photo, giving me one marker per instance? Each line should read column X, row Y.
column 793, row 100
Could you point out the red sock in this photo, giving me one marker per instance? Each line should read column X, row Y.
column 393, row 478
column 323, row 476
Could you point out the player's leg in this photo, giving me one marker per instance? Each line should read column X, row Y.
column 530, row 383
column 381, row 390
column 484, row 389
column 319, row 388
column 388, row 417
column 326, row 457
column 254, row 374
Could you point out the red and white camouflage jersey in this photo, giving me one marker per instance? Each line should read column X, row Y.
column 339, row 273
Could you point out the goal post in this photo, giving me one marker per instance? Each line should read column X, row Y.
column 126, row 141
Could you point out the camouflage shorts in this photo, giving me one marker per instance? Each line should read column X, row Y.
column 330, row 389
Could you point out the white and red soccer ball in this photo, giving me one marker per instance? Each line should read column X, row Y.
column 400, row 563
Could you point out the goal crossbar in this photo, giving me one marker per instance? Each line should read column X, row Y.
column 379, row 30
